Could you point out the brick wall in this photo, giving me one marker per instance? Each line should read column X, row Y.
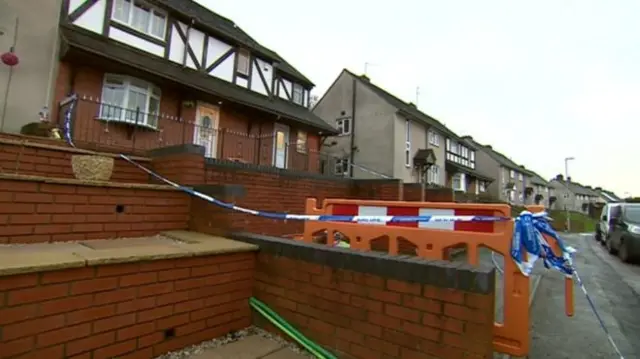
column 412, row 192
column 43, row 157
column 39, row 211
column 138, row 310
column 376, row 307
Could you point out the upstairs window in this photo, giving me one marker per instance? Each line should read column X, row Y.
column 242, row 66
column 141, row 17
column 483, row 186
column 434, row 139
column 407, row 145
column 512, row 174
column 298, row 94
column 344, row 125
column 520, row 176
column 130, row 100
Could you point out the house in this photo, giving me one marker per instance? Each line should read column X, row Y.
column 513, row 184
column 542, row 192
column 383, row 133
column 172, row 72
column 607, row 196
column 27, row 87
column 571, row 195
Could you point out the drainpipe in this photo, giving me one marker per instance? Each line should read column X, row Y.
column 353, row 127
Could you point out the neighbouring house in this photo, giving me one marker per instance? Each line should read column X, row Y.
column 542, row 193
column 380, row 132
column 571, row 195
column 26, row 90
column 167, row 72
column 513, row 184
column 607, row 196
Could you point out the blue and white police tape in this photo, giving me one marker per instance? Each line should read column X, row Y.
column 528, row 239
column 321, row 218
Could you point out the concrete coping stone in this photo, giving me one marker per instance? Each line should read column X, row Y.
column 41, row 257
column 444, row 274
column 62, row 147
column 77, row 182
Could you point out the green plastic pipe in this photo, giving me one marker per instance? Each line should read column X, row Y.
column 290, row 328
column 315, row 349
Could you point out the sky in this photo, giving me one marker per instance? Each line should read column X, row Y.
column 540, row 81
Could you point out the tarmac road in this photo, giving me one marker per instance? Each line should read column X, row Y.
column 613, row 286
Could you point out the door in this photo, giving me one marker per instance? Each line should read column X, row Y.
column 205, row 131
column 280, row 145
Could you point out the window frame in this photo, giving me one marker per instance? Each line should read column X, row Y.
column 340, row 125
column 293, row 94
column 152, row 11
column 243, row 53
column 434, row 139
column 342, row 162
column 462, row 178
column 512, row 174
column 123, row 108
column 407, row 144
column 433, row 175
column 483, row 186
column 302, row 142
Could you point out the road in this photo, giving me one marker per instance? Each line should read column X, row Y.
column 615, row 289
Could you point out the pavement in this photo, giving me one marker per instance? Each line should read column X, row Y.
column 251, row 347
column 615, row 289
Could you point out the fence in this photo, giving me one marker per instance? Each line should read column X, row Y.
column 99, row 126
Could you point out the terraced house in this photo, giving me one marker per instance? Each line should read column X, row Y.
column 153, row 74
column 513, row 184
column 573, row 196
column 394, row 138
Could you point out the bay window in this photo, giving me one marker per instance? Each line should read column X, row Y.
column 458, row 182
column 130, row 100
column 140, row 17
column 298, row 94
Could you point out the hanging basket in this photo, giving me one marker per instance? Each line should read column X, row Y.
column 10, row 59
column 92, row 167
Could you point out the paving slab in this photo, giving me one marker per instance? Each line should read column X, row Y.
column 251, row 347
column 286, row 353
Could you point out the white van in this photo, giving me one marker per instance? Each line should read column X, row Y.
column 602, row 228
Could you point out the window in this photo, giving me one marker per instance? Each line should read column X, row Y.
column 127, row 99
column 520, row 176
column 298, row 94
column 458, row 182
column 407, row 145
column 342, row 167
column 301, row 143
column 433, row 174
column 140, row 17
column 344, row 126
column 454, row 147
column 512, row 196
column 512, row 174
column 242, row 65
column 448, row 145
column 464, row 152
column 483, row 186
column 472, row 156
column 434, row 138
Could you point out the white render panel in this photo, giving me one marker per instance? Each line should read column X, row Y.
column 289, row 86
column 196, row 42
column 215, row 50
column 132, row 40
column 74, row 4
column 93, row 18
column 224, row 71
column 281, row 88
column 256, row 82
column 176, row 50
column 242, row 82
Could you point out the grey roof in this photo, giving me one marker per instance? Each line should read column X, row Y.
column 231, row 32
column 103, row 47
column 497, row 156
column 577, row 188
column 537, row 179
column 404, row 107
column 610, row 196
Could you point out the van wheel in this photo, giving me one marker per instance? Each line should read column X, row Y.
column 610, row 247
column 623, row 253
column 598, row 236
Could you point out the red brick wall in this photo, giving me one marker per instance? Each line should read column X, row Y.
column 52, row 162
column 371, row 317
column 122, row 311
column 33, row 212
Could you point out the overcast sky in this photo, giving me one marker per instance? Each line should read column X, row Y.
column 539, row 80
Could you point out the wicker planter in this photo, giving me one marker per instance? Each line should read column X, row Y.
column 91, row 167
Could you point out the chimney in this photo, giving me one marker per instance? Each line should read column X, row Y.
column 489, row 147
column 467, row 137
column 560, row 177
column 412, row 104
column 569, row 179
column 364, row 77
column 598, row 188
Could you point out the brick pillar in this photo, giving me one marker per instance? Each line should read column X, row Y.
column 183, row 164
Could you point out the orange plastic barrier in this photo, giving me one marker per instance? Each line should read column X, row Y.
column 511, row 336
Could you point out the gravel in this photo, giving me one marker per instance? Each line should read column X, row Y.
column 230, row 338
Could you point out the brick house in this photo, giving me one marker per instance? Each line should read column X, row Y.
column 381, row 132
column 166, row 72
